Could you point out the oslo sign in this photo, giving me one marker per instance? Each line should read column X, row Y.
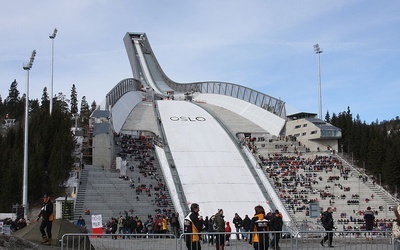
column 187, row 119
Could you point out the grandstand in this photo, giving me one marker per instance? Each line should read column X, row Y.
column 218, row 144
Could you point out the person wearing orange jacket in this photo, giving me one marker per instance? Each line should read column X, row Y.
column 259, row 224
column 192, row 227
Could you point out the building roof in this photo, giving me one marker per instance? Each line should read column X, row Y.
column 100, row 113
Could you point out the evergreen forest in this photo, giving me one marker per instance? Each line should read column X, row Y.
column 51, row 145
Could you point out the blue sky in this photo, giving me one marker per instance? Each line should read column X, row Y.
column 262, row 44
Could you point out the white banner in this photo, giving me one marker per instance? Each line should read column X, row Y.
column 97, row 221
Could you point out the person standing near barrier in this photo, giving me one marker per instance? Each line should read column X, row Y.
column 47, row 214
column 228, row 231
column 193, row 226
column 396, row 228
column 369, row 219
column 238, row 222
column 246, row 227
column 276, row 225
column 211, row 230
column 327, row 223
column 174, row 224
column 259, row 224
column 219, row 227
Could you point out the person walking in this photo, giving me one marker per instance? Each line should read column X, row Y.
column 238, row 222
column 327, row 223
column 219, row 227
column 47, row 214
column 369, row 219
column 259, row 224
column 276, row 225
column 192, row 227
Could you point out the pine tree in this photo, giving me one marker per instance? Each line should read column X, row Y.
column 93, row 107
column 327, row 117
column 74, row 100
column 85, row 112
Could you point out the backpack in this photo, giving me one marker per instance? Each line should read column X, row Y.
column 187, row 226
column 262, row 225
column 215, row 225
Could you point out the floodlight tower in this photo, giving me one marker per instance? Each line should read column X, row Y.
column 52, row 37
column 318, row 51
column 25, row 204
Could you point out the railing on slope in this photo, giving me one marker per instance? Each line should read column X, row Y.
column 257, row 98
column 123, row 87
column 177, row 180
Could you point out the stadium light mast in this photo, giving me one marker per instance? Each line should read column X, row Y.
column 25, row 204
column 52, row 37
column 318, row 51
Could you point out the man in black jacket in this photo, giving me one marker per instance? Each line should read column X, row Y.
column 193, row 226
column 276, row 225
column 327, row 223
column 46, row 212
column 238, row 222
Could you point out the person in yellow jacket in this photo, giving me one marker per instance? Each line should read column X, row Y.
column 193, row 226
column 259, row 223
column 164, row 225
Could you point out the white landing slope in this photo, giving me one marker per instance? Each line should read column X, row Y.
column 211, row 169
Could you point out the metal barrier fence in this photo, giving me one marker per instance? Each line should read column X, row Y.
column 346, row 240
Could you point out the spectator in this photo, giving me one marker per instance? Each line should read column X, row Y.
column 121, row 225
column 174, row 224
column 164, row 227
column 396, row 228
column 47, row 214
column 327, row 223
column 246, row 227
column 81, row 222
column 21, row 223
column 369, row 219
column 276, row 225
column 228, row 231
column 193, row 226
column 259, row 224
column 211, row 230
column 219, row 227
column 238, row 222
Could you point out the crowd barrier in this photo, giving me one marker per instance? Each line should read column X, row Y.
column 346, row 240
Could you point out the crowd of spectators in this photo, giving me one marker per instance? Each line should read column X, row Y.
column 145, row 180
column 127, row 225
column 312, row 177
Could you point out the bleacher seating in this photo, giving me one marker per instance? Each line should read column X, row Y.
column 141, row 193
column 301, row 177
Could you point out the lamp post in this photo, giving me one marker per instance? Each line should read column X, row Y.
column 52, row 37
column 25, row 204
column 318, row 51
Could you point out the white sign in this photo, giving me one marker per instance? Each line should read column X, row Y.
column 97, row 221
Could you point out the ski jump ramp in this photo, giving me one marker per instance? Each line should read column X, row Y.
column 212, row 171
